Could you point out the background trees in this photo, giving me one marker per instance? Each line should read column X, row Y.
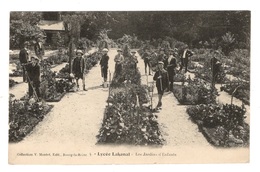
column 195, row 28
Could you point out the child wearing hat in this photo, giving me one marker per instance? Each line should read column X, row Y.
column 78, row 68
column 162, row 82
column 33, row 72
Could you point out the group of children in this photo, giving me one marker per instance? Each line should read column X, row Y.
column 165, row 67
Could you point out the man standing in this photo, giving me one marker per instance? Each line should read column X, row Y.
column 24, row 58
column 33, row 71
column 119, row 58
column 146, row 59
column 78, row 68
column 162, row 57
column 171, row 64
column 104, row 64
column 185, row 58
column 162, row 82
column 215, row 66
column 134, row 57
column 38, row 48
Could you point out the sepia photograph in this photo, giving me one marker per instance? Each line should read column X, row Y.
column 129, row 87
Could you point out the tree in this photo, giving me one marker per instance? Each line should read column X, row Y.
column 23, row 27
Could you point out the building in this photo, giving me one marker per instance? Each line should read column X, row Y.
column 53, row 27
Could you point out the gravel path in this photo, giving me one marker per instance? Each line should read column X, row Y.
column 72, row 125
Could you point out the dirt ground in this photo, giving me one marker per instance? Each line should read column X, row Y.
column 73, row 123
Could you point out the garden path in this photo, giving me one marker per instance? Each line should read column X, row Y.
column 73, row 123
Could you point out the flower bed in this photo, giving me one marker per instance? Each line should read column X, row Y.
column 12, row 83
column 238, row 63
column 126, row 122
column 126, row 119
column 54, row 89
column 18, row 71
column 24, row 116
column 179, row 77
column 242, row 90
column 194, row 92
column 222, row 125
column 206, row 74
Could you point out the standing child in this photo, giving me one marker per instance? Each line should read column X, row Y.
column 78, row 68
column 33, row 71
column 104, row 64
column 162, row 82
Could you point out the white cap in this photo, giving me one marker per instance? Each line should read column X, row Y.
column 105, row 49
column 79, row 51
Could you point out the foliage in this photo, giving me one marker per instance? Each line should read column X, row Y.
column 195, row 92
column 127, row 121
column 57, row 59
column 53, row 91
column 12, row 83
column 228, row 41
column 242, row 90
column 226, row 121
column 24, row 116
column 23, row 27
column 129, row 74
column 104, row 41
column 238, row 64
column 18, row 71
column 132, row 41
column 204, row 71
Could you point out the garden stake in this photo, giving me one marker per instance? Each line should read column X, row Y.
column 109, row 85
column 152, row 96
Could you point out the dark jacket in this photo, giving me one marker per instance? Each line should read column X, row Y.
column 172, row 64
column 215, row 65
column 104, row 61
column 78, row 66
column 186, row 55
column 33, row 72
column 23, row 56
column 164, row 81
column 146, row 57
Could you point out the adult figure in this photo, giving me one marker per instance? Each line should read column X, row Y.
column 24, row 58
column 146, row 58
column 162, row 82
column 171, row 64
column 119, row 58
column 162, row 57
column 215, row 66
column 134, row 58
column 186, row 54
column 78, row 69
column 104, row 64
column 38, row 48
column 33, row 74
